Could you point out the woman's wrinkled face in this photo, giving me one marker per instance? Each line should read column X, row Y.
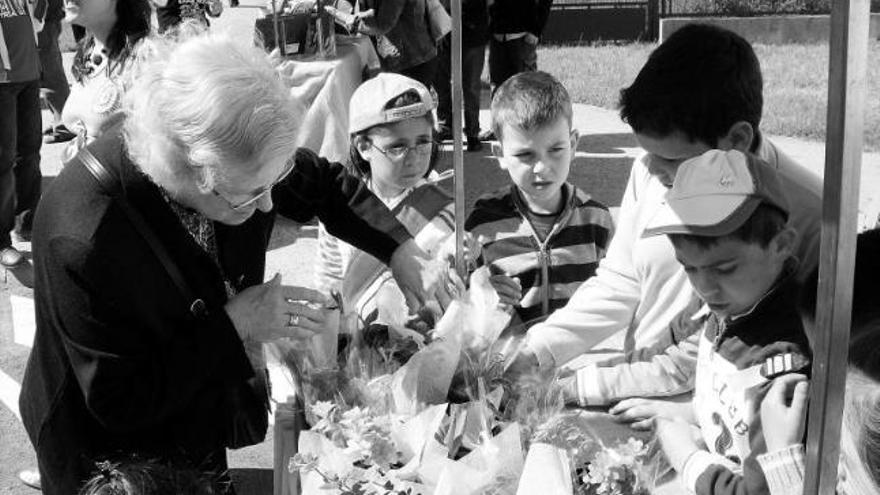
column 241, row 190
column 90, row 13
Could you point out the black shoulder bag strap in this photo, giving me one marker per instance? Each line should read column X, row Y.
column 111, row 185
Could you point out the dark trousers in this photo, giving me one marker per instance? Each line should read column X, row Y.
column 20, row 141
column 423, row 73
column 507, row 58
column 54, row 82
column 472, row 61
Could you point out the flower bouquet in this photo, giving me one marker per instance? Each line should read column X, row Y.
column 381, row 422
column 574, row 454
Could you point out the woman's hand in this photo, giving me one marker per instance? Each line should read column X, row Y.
column 423, row 279
column 640, row 413
column 784, row 411
column 272, row 311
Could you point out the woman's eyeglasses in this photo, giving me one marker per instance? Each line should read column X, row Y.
column 260, row 195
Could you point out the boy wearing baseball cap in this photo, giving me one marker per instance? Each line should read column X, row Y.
column 727, row 218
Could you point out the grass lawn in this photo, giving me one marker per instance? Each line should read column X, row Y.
column 795, row 83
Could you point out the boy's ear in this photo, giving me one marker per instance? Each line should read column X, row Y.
column 739, row 137
column 575, row 137
column 785, row 242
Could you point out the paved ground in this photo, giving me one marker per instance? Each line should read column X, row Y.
column 604, row 156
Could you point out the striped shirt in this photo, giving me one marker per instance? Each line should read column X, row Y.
column 334, row 255
column 549, row 270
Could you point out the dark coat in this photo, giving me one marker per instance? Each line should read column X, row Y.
column 119, row 363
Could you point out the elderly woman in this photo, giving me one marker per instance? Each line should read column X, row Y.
column 130, row 356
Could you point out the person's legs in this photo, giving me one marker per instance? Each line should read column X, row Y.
column 472, row 61
column 53, row 81
column 443, row 86
column 8, row 138
column 28, row 179
column 423, row 73
column 523, row 56
column 498, row 71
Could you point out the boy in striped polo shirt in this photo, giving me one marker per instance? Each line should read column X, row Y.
column 541, row 237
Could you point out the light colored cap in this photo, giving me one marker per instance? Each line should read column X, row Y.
column 715, row 193
column 369, row 101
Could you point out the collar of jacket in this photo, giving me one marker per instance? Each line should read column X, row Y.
column 784, row 289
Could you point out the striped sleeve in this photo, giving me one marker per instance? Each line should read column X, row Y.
column 784, row 470
column 331, row 265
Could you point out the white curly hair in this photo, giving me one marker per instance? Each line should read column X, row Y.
column 199, row 103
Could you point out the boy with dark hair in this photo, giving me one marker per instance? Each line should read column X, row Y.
column 727, row 218
column 699, row 90
column 541, row 237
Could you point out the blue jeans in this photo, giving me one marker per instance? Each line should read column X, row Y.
column 507, row 58
column 20, row 141
column 472, row 61
column 54, row 81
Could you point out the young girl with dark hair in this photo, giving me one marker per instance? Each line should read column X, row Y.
column 113, row 29
column 394, row 153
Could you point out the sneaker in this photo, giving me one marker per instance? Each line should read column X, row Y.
column 30, row 477
column 487, row 135
column 444, row 134
column 10, row 257
column 22, row 235
column 474, row 143
column 60, row 134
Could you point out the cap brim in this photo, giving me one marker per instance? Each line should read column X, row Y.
column 709, row 216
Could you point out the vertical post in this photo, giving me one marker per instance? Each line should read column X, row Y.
column 652, row 19
column 848, row 45
column 457, row 155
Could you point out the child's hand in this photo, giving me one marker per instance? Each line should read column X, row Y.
column 509, row 290
column 472, row 250
column 678, row 439
column 640, row 413
column 784, row 410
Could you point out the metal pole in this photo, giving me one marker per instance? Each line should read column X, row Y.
column 278, row 43
column 848, row 45
column 457, row 155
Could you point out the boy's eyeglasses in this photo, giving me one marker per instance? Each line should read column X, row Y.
column 397, row 153
column 260, row 195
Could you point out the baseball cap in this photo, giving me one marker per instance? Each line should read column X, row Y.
column 369, row 101
column 715, row 193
